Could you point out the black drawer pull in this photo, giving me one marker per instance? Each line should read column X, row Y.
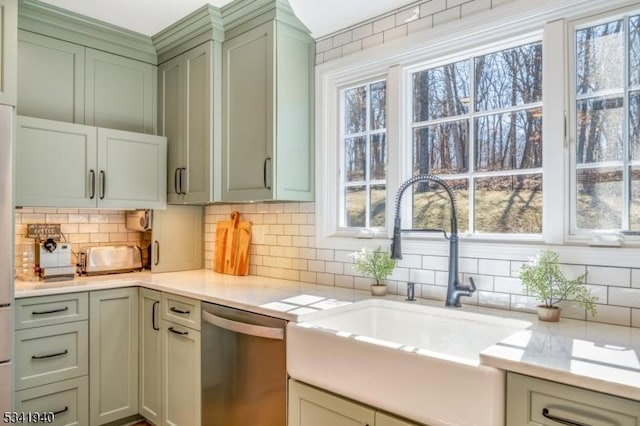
column 53, row 311
column 179, row 311
column 50, row 355
column 563, row 421
column 64, row 410
column 182, row 333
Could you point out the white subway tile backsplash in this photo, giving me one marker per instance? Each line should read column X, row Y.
column 420, row 24
column 334, row 53
column 352, row 47
column 620, row 277
column 372, row 41
column 508, row 285
column 432, row 6
column 334, row 267
column 410, row 261
column 434, row 292
column 421, row 276
column 439, row 263
column 468, row 265
column 494, row 267
column 523, row 303
column 635, row 318
column 362, row 31
column 384, row 24
column 342, row 38
column 345, row 281
column 621, row 296
column 442, row 278
column 395, row 33
column 482, row 282
column 494, row 300
column 324, row 254
column 407, row 15
column 476, row 6
column 611, row 315
column 635, row 278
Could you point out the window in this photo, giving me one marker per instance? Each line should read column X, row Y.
column 606, row 122
column 364, row 156
column 477, row 123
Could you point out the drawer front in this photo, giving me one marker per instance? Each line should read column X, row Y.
column 49, row 310
column 68, row 401
column 532, row 401
column 52, row 353
column 181, row 310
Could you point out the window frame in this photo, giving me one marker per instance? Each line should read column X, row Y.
column 471, row 174
column 596, row 236
column 394, row 61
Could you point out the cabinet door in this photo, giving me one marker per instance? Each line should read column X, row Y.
column 56, row 164
column 537, row 402
column 294, row 159
column 113, row 351
column 51, row 78
column 150, row 367
column 8, row 53
column 177, row 239
column 180, row 375
column 309, row 406
column 171, row 118
column 131, row 170
column 119, row 92
column 248, row 123
column 197, row 176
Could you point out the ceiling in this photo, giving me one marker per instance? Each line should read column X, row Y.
column 148, row 17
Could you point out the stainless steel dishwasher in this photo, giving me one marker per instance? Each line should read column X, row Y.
column 244, row 376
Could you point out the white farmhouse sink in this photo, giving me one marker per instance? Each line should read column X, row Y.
column 417, row 361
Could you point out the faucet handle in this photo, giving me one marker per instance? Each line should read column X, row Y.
column 472, row 285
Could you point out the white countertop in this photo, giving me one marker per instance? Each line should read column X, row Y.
column 601, row 357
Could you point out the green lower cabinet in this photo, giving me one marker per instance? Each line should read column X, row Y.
column 149, row 358
column 537, row 402
column 113, row 354
column 309, row 406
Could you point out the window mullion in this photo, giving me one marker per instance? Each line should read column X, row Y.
column 471, row 146
column 626, row 173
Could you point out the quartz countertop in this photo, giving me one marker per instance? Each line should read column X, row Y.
column 601, row 357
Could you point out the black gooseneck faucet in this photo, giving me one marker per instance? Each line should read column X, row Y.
column 454, row 289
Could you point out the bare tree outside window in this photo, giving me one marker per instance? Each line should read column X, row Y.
column 364, row 153
column 484, row 135
column 607, row 121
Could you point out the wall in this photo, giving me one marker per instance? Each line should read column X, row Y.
column 419, row 16
column 80, row 227
column 283, row 246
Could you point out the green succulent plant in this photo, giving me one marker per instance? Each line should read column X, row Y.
column 542, row 278
column 377, row 264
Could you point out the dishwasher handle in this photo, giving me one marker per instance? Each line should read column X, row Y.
column 244, row 328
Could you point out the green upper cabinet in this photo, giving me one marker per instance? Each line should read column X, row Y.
column 8, row 43
column 76, row 69
column 119, row 92
column 188, row 86
column 267, row 110
column 77, row 166
column 51, row 80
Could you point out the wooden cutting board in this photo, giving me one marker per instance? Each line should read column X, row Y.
column 233, row 245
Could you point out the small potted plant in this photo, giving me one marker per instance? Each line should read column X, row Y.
column 542, row 278
column 376, row 264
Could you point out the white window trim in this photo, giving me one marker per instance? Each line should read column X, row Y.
column 517, row 19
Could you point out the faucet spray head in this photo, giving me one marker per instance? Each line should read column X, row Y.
column 396, row 250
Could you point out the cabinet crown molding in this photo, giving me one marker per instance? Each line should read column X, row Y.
column 242, row 15
column 52, row 21
column 194, row 29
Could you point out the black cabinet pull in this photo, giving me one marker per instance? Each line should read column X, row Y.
column 175, row 181
column 93, row 184
column 157, row 247
column 182, row 171
column 179, row 311
column 50, row 355
column 103, row 184
column 64, row 410
column 52, row 311
column 181, row 333
column 153, row 315
column 264, row 172
column 561, row 420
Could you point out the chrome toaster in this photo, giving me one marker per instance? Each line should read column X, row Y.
column 109, row 260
